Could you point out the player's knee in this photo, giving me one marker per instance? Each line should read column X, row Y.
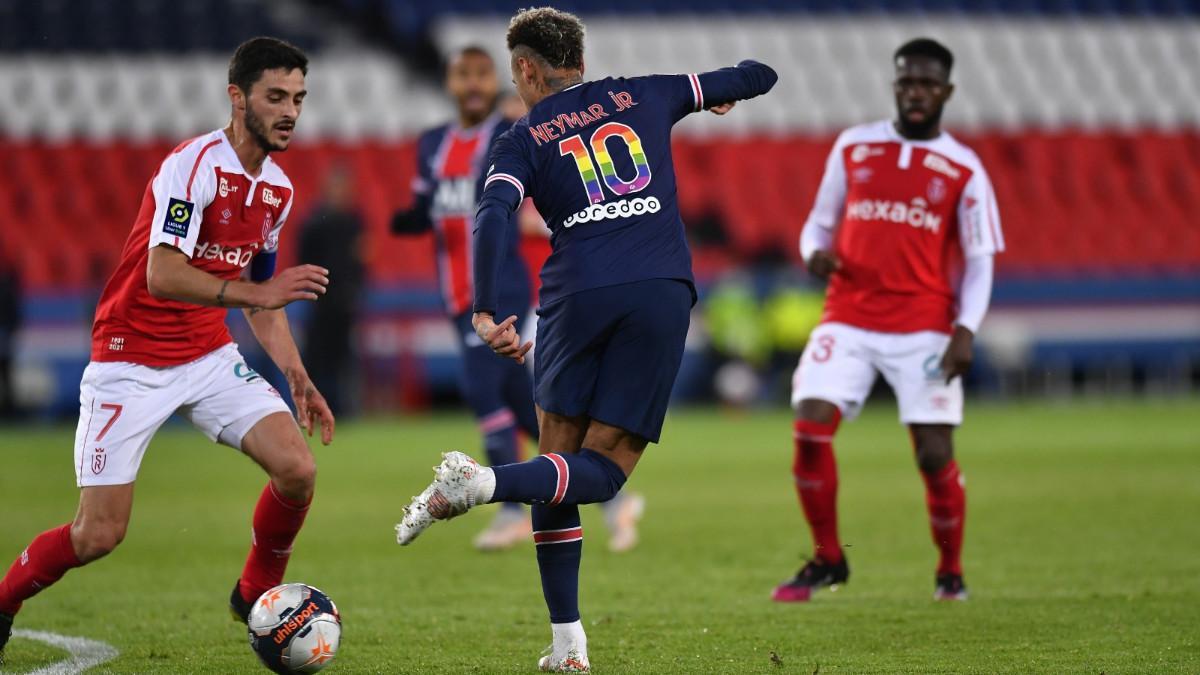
column 817, row 410
column 297, row 478
column 96, row 539
column 934, row 450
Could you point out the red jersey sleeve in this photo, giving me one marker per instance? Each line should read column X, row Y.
column 183, row 187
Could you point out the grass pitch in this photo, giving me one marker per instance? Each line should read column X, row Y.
column 1082, row 552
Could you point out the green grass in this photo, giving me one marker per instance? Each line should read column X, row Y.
column 1083, row 552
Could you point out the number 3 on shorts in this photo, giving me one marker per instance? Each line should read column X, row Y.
column 824, row 348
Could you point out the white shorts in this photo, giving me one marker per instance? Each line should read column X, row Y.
column 840, row 363
column 122, row 405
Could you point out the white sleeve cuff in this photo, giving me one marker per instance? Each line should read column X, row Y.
column 814, row 238
column 975, row 293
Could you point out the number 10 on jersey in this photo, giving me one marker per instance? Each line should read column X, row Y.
column 587, row 168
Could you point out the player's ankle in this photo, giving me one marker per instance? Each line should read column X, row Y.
column 830, row 556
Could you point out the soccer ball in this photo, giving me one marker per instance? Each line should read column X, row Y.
column 295, row 628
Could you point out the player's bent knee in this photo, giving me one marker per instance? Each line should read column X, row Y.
column 817, row 410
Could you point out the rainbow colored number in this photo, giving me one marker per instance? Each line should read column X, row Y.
column 587, row 169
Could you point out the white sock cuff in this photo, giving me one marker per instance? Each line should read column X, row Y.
column 569, row 635
column 486, row 486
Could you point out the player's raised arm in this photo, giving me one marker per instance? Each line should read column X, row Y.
column 503, row 192
column 719, row 88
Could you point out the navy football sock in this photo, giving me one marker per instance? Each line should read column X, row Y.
column 559, row 540
column 585, row 477
column 500, row 442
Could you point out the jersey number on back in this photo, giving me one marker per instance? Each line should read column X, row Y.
column 587, row 168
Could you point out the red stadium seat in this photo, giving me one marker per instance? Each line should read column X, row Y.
column 1070, row 201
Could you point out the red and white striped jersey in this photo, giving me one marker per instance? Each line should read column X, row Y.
column 904, row 215
column 202, row 202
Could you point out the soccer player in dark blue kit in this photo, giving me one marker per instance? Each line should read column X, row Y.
column 616, row 295
column 452, row 161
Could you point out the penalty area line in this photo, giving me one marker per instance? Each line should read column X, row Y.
column 84, row 653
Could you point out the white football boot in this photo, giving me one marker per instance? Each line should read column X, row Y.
column 573, row 661
column 454, row 491
column 568, row 652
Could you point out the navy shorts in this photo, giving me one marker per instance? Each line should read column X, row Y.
column 491, row 383
column 613, row 353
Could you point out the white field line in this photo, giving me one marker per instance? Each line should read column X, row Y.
column 84, row 653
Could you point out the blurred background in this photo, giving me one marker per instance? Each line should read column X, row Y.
column 1086, row 113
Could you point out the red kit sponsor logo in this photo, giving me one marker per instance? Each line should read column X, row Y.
column 236, row 256
column 915, row 213
column 935, row 162
column 269, row 198
column 861, row 152
column 224, row 188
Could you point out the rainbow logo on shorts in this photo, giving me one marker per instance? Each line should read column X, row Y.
column 614, row 182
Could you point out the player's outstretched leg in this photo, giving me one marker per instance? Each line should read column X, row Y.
column 559, row 540
column 98, row 528
column 815, row 472
column 460, row 484
column 276, row 444
column 946, row 498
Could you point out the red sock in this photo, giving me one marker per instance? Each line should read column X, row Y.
column 816, row 483
column 947, row 503
column 277, row 521
column 44, row 562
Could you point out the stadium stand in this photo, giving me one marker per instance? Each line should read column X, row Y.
column 1085, row 112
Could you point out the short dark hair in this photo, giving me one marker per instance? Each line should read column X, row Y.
column 929, row 48
column 255, row 55
column 472, row 50
column 552, row 34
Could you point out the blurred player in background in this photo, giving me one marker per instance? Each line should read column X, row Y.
column 904, row 228
column 616, row 294
column 215, row 206
column 451, row 167
column 331, row 237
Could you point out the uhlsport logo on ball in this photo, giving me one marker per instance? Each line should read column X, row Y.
column 295, row 628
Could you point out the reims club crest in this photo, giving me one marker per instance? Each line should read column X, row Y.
column 98, row 460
